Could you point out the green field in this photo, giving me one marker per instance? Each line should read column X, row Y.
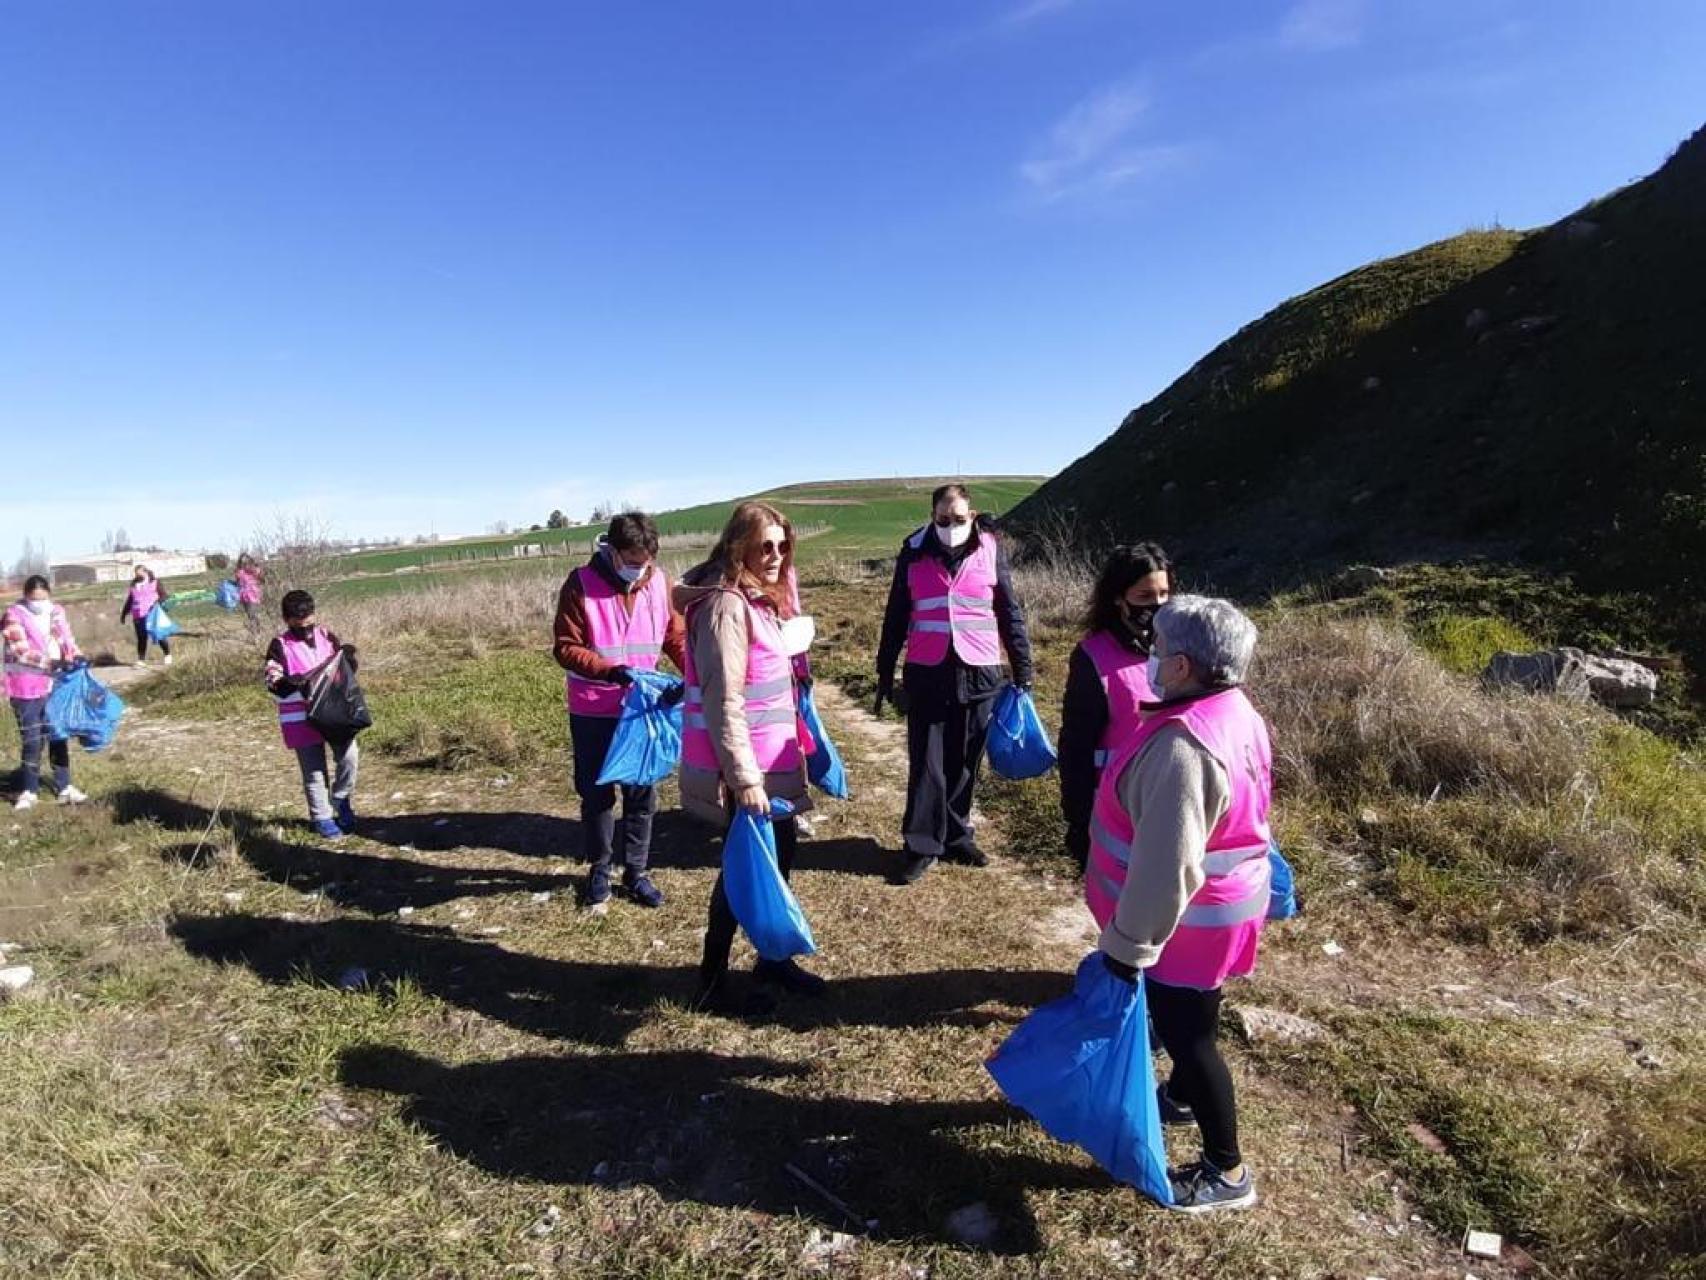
column 847, row 518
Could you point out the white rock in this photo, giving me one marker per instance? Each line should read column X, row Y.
column 1332, row 948
column 1274, row 1026
column 1483, row 1244
column 543, row 896
column 233, row 897
column 405, row 912
column 15, row 978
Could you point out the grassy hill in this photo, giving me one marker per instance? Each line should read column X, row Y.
column 1534, row 398
column 841, row 517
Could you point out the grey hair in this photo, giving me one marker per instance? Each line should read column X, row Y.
column 1212, row 633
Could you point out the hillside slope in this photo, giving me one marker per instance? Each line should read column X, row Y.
column 1536, row 397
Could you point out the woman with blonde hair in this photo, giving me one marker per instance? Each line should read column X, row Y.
column 740, row 737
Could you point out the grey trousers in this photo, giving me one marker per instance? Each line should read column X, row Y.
column 347, row 759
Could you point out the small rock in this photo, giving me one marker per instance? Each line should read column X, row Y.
column 1274, row 1026
column 1332, row 948
column 405, row 912
column 493, row 930
column 14, row 978
column 1363, row 577
column 543, row 896
column 1649, row 1062
column 974, row 1224
column 464, row 913
column 547, row 1222
column 1482, row 1244
column 1368, row 817
column 233, row 897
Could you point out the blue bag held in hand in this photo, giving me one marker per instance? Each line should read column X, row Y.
column 647, row 745
column 823, row 766
column 225, row 595
column 1282, row 886
column 1018, row 743
column 160, row 625
column 81, row 707
column 760, row 899
column 1080, row 1065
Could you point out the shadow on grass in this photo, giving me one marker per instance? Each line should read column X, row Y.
column 720, row 1130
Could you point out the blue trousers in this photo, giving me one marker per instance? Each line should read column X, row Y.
column 32, row 728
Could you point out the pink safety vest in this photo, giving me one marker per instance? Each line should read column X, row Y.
column 25, row 679
column 1125, row 683
column 248, row 587
column 772, row 716
column 629, row 640
column 300, row 658
column 1218, row 934
column 144, row 596
column 953, row 610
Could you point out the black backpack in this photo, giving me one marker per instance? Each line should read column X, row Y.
column 336, row 705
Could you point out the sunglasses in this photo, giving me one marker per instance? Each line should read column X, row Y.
column 770, row 548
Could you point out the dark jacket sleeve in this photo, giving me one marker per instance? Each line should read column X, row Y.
column 1010, row 618
column 1083, row 719
column 129, row 604
column 569, row 635
column 275, row 660
column 896, row 618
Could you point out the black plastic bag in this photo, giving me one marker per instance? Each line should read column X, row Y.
column 337, row 707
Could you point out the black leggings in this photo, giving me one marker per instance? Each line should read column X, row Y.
column 722, row 927
column 1188, row 1022
column 142, row 641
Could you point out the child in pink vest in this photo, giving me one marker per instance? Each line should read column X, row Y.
column 614, row 617
column 37, row 641
column 145, row 592
column 1105, row 680
column 296, row 653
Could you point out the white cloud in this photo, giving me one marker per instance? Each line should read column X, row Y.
column 1318, row 26
column 1091, row 149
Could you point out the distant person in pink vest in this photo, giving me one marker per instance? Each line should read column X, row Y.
column 1178, row 873
column 37, row 642
column 953, row 608
column 1106, row 682
column 740, row 745
column 249, row 578
column 614, row 617
column 146, row 591
column 294, row 655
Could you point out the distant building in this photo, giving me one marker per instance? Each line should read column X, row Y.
column 120, row 566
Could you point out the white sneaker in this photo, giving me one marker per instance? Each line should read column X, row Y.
column 25, row 801
column 72, row 796
column 168, row 659
column 141, row 664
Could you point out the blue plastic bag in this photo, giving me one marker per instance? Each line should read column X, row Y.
column 647, row 745
column 225, row 595
column 1080, row 1065
column 1018, row 743
column 823, row 766
column 760, row 899
column 1282, row 886
column 160, row 625
column 81, row 707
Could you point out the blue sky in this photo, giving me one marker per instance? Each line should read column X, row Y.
column 421, row 266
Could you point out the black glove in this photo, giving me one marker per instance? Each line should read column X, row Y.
column 1124, row 972
column 672, row 695
column 621, row 676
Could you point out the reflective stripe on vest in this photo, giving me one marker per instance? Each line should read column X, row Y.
column 627, row 639
column 772, row 716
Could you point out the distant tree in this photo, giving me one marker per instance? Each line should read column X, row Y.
column 556, row 520
column 33, row 560
column 121, row 539
column 534, row 528
column 219, row 561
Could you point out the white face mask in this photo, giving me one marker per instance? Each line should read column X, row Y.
column 1152, row 669
column 630, row 573
column 953, row 535
column 41, row 608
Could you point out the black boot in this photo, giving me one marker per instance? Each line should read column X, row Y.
column 790, row 977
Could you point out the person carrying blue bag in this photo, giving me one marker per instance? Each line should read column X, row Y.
column 614, row 622
column 741, row 746
column 144, row 606
column 646, row 748
column 1018, row 742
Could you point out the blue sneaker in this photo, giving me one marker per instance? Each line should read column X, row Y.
column 327, row 829
column 597, row 887
column 1201, row 1188
column 345, row 816
column 641, row 889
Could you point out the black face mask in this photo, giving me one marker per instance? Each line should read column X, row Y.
column 1138, row 622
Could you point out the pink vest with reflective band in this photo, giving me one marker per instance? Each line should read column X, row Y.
column 248, row 587
column 628, row 640
column 1217, row 936
column 22, row 679
column 772, row 716
column 953, row 610
column 1125, row 682
column 293, row 707
column 144, row 596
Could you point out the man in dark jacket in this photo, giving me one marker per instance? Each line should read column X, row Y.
column 946, row 699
